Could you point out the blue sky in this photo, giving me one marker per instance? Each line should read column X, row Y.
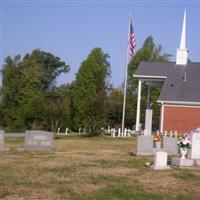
column 71, row 29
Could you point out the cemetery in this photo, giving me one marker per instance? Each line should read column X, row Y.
column 158, row 158
column 95, row 168
column 120, row 164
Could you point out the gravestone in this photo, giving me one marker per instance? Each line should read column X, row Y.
column 160, row 160
column 37, row 140
column 193, row 157
column 180, row 162
column 2, row 142
column 144, row 145
column 194, row 152
column 170, row 145
column 148, row 122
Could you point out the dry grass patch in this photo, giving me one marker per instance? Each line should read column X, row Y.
column 164, row 181
column 91, row 168
column 116, row 171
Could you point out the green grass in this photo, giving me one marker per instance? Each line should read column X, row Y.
column 3, row 194
column 128, row 192
column 84, row 168
column 188, row 175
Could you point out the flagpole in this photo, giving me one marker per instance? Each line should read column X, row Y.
column 125, row 77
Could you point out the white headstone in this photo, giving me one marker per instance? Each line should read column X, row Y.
column 194, row 152
column 160, row 160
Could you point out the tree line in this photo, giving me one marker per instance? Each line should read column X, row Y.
column 30, row 98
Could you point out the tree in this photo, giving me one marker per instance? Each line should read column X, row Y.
column 90, row 92
column 58, row 109
column 114, row 107
column 148, row 52
column 30, row 97
column 51, row 65
column 25, row 85
column 10, row 109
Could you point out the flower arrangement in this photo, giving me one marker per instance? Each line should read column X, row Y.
column 157, row 138
column 185, row 141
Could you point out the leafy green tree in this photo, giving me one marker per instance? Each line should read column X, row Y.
column 30, row 97
column 114, row 107
column 51, row 66
column 148, row 52
column 58, row 110
column 25, row 85
column 11, row 116
column 90, row 92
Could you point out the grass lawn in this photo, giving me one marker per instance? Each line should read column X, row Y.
column 90, row 169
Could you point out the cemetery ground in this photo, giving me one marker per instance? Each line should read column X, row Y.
column 84, row 168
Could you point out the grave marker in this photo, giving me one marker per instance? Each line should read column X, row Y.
column 37, row 140
column 194, row 152
column 170, row 145
column 144, row 145
column 160, row 160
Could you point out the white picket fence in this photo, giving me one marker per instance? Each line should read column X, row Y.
column 118, row 133
column 110, row 131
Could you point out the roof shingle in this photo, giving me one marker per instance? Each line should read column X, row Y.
column 182, row 83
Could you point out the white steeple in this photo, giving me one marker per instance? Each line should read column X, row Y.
column 182, row 52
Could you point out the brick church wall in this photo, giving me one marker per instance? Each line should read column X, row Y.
column 181, row 119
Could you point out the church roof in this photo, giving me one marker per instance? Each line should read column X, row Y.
column 181, row 82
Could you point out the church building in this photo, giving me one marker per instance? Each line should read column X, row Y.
column 180, row 89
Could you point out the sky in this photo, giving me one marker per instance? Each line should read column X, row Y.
column 71, row 29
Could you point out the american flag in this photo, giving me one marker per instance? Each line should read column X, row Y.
column 132, row 41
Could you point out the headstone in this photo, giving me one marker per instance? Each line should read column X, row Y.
column 179, row 162
column 160, row 160
column 148, row 122
column 193, row 158
column 144, row 145
column 194, row 152
column 37, row 140
column 170, row 145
